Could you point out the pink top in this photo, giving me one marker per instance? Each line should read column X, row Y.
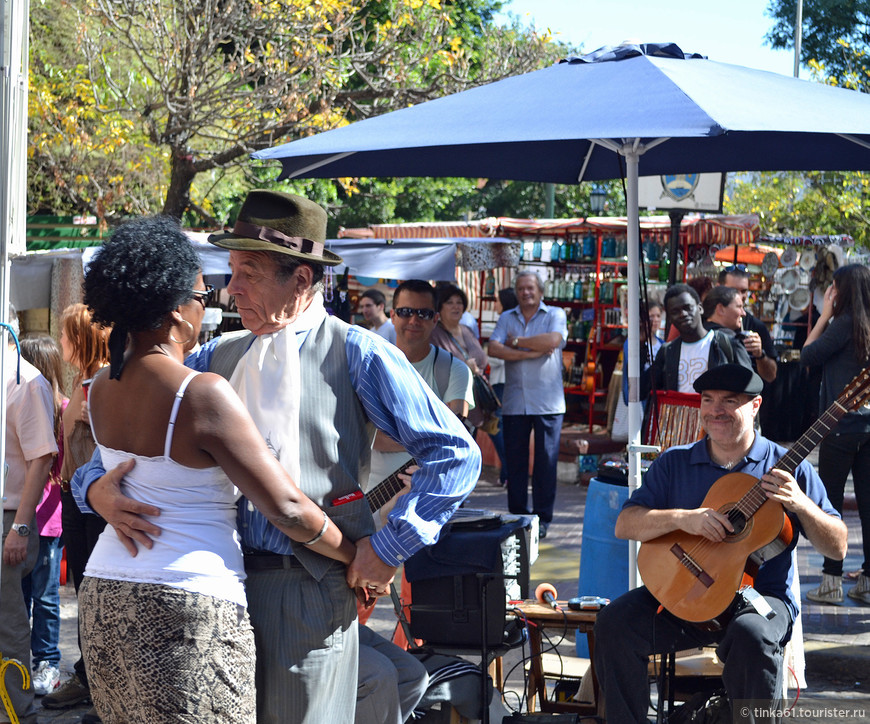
column 48, row 511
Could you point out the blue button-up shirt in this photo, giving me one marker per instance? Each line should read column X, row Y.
column 400, row 403
column 681, row 477
column 533, row 386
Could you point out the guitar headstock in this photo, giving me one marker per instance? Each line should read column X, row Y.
column 857, row 393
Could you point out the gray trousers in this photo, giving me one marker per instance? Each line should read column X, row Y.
column 15, row 624
column 307, row 646
column 628, row 630
column 391, row 681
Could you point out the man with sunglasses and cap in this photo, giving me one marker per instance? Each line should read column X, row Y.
column 530, row 338
column 317, row 388
column 671, row 499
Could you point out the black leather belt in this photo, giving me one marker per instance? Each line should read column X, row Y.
column 270, row 562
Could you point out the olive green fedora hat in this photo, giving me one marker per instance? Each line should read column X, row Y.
column 279, row 222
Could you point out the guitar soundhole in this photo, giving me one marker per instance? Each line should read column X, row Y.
column 738, row 520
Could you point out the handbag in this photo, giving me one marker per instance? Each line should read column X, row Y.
column 485, row 399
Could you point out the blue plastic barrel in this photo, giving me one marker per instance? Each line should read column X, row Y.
column 603, row 557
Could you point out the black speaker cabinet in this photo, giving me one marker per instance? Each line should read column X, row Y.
column 464, row 575
column 448, row 611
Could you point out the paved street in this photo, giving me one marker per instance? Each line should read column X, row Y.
column 837, row 638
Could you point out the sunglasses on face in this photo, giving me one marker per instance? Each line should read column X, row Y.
column 408, row 312
column 204, row 296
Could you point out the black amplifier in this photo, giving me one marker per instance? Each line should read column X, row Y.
column 480, row 562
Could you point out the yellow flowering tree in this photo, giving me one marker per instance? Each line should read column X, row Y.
column 180, row 92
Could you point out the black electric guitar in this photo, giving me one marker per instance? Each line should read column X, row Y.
column 696, row 579
column 384, row 491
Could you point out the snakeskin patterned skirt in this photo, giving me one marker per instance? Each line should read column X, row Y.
column 158, row 654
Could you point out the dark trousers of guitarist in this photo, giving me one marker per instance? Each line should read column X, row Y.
column 630, row 629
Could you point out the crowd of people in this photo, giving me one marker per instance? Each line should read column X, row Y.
column 213, row 499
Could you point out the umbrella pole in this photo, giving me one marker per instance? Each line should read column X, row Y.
column 632, row 156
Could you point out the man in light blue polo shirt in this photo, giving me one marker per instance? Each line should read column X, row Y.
column 530, row 338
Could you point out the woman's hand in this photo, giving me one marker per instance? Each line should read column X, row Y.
column 828, row 304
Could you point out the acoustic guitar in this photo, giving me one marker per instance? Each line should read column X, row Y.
column 696, row 579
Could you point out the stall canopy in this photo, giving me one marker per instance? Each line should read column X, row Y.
column 746, row 254
column 698, row 229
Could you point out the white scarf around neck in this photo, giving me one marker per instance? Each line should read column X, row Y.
column 268, row 381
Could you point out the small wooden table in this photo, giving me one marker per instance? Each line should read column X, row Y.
column 541, row 616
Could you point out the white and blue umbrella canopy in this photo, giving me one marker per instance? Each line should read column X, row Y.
column 619, row 112
column 564, row 124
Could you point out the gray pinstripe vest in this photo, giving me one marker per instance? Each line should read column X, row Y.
column 335, row 433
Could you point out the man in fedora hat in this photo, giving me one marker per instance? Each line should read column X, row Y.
column 671, row 499
column 316, row 388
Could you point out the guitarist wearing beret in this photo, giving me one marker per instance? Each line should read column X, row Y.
column 708, row 515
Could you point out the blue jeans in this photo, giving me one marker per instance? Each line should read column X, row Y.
column 42, row 598
column 517, row 431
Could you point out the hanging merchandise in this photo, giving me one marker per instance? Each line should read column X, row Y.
column 589, row 247
column 537, row 249
column 664, row 266
column 489, row 285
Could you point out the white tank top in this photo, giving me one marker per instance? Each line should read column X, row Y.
column 198, row 549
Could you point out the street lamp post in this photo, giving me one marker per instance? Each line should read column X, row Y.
column 598, row 199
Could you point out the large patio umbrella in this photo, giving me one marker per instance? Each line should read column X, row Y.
column 634, row 109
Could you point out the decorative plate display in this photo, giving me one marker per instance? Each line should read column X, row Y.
column 789, row 256
column 790, row 280
column 808, row 260
column 769, row 264
column 799, row 299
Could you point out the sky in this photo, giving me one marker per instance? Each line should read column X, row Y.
column 729, row 31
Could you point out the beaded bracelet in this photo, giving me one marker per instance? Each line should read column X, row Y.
column 322, row 531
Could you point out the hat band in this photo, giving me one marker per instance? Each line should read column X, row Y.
column 297, row 243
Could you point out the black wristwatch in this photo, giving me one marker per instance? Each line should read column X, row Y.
column 22, row 529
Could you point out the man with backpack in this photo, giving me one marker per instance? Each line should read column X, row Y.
column 682, row 360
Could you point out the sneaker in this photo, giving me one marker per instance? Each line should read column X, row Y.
column 46, row 678
column 72, row 693
column 861, row 591
column 831, row 590
column 91, row 716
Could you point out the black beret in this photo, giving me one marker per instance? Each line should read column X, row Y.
column 731, row 378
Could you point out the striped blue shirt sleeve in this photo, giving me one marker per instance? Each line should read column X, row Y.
column 400, row 403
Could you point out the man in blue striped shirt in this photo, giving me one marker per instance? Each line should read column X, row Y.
column 348, row 381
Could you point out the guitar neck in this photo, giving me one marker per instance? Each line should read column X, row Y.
column 796, row 454
column 386, row 490
column 807, row 442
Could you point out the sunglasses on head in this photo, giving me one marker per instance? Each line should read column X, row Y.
column 735, row 267
column 407, row 312
column 205, row 296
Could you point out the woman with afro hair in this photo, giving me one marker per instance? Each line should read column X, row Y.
column 165, row 631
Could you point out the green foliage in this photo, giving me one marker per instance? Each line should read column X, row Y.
column 794, row 203
column 149, row 105
column 835, row 43
column 835, row 38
